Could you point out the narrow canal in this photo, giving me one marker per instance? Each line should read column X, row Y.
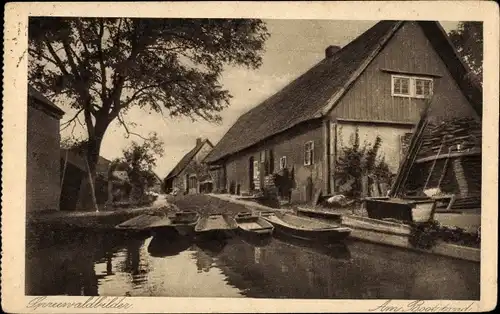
column 123, row 265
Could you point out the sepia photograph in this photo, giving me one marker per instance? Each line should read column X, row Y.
column 249, row 157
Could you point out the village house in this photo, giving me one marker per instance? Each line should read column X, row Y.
column 190, row 175
column 377, row 84
column 43, row 140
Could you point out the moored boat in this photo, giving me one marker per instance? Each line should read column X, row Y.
column 306, row 228
column 141, row 222
column 215, row 226
column 406, row 210
column 253, row 225
column 182, row 221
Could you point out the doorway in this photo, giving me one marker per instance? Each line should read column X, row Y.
column 251, row 184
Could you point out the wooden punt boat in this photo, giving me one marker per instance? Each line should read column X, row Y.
column 253, row 225
column 306, row 228
column 320, row 214
column 215, row 226
column 405, row 210
column 182, row 221
column 141, row 223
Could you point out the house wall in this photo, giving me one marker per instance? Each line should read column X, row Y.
column 409, row 50
column 291, row 145
column 43, row 161
column 369, row 99
column 180, row 181
column 391, row 135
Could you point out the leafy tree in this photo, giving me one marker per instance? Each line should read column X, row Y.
column 468, row 39
column 140, row 159
column 103, row 67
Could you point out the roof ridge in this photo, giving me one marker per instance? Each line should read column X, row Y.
column 360, row 69
column 175, row 171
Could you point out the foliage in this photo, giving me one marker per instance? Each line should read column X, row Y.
column 139, row 161
column 198, row 168
column 72, row 143
column 356, row 161
column 103, row 67
column 468, row 39
column 285, row 182
column 426, row 235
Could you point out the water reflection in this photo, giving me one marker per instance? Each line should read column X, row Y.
column 168, row 245
column 212, row 247
column 117, row 265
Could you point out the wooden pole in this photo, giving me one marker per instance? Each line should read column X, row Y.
column 433, row 164
column 64, row 170
column 91, row 182
column 445, row 167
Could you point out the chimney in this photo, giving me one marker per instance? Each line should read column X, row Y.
column 330, row 51
column 198, row 141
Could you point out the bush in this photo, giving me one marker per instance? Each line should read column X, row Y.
column 356, row 161
column 426, row 235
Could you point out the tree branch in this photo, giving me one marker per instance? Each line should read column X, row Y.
column 64, row 125
column 101, row 63
column 59, row 63
column 41, row 55
column 72, row 64
column 122, row 122
column 80, row 33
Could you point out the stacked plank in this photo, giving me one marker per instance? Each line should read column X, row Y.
column 467, row 202
column 465, row 132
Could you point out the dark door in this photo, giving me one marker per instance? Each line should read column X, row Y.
column 251, row 184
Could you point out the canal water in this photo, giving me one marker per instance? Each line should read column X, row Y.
column 125, row 265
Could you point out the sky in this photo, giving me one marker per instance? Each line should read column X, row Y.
column 293, row 47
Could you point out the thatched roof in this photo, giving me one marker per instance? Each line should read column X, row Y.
column 187, row 159
column 316, row 92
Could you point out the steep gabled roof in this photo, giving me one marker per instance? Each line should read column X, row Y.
column 316, row 92
column 187, row 159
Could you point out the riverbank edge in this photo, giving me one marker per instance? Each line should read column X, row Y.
column 397, row 238
column 43, row 227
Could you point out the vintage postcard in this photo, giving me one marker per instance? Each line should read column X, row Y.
column 250, row 157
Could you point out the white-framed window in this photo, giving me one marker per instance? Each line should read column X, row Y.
column 401, row 86
column 410, row 86
column 309, row 153
column 423, row 87
column 283, row 162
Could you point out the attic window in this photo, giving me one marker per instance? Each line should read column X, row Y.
column 400, row 86
column 409, row 86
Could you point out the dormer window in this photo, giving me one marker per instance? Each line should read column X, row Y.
column 410, row 86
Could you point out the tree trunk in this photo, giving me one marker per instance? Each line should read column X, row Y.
column 93, row 150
